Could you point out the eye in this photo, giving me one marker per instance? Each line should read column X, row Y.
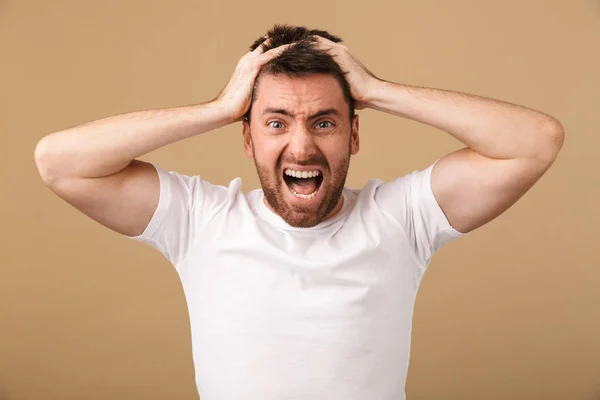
column 275, row 126
column 324, row 122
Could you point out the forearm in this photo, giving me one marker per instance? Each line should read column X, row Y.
column 491, row 128
column 106, row 146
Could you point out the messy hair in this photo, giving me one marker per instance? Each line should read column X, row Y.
column 301, row 58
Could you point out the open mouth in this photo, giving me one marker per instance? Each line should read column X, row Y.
column 303, row 184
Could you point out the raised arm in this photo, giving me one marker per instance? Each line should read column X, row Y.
column 94, row 168
column 509, row 147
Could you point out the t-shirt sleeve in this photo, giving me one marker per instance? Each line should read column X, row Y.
column 410, row 201
column 185, row 204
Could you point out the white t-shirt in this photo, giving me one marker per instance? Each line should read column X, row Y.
column 284, row 313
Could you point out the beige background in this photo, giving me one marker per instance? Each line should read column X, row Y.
column 512, row 311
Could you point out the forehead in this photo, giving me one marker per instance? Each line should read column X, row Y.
column 300, row 95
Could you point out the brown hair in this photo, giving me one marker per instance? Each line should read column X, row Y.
column 301, row 58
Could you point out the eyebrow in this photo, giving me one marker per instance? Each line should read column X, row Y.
column 327, row 111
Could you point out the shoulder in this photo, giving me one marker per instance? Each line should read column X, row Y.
column 202, row 198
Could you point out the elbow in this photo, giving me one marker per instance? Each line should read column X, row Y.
column 40, row 151
column 551, row 142
column 42, row 156
column 556, row 134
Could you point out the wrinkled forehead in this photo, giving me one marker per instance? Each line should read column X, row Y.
column 301, row 96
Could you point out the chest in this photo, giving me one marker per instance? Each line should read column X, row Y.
column 328, row 313
column 254, row 276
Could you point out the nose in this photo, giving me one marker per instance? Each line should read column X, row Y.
column 302, row 144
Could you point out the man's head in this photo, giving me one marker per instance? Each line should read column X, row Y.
column 301, row 123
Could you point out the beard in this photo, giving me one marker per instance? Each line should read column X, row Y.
column 300, row 216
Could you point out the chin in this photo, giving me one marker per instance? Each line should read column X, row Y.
column 301, row 211
column 302, row 220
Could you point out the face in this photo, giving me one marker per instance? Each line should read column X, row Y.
column 301, row 138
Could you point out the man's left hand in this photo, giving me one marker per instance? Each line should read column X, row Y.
column 361, row 80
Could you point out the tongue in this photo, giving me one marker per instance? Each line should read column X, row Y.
column 304, row 186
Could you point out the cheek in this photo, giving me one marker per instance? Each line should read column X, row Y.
column 267, row 153
column 336, row 154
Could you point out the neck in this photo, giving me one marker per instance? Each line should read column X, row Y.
column 336, row 209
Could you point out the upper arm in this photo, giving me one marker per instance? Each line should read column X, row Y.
column 472, row 189
column 124, row 201
column 144, row 202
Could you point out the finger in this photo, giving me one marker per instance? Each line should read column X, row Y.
column 274, row 52
column 322, row 43
column 261, row 47
column 266, row 43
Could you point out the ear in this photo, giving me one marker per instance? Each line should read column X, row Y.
column 248, row 149
column 354, row 139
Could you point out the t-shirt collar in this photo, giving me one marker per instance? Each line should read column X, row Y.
column 274, row 219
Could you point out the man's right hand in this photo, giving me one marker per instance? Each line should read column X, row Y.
column 237, row 95
column 94, row 166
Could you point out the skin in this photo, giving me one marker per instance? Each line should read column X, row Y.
column 508, row 147
column 298, row 141
column 95, row 166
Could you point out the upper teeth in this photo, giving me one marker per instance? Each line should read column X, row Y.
column 301, row 174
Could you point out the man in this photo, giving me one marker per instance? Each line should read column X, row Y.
column 304, row 289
